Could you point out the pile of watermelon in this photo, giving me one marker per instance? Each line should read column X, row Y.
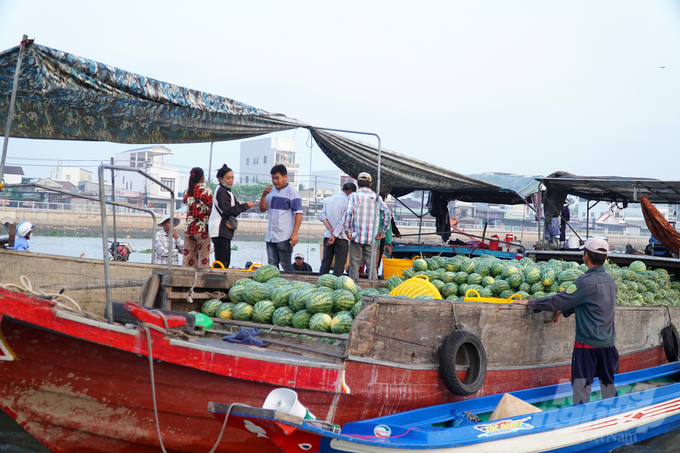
column 496, row 278
column 328, row 306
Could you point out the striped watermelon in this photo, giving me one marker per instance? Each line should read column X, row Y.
column 564, row 285
column 483, row 267
column 384, row 291
column 499, row 286
column 467, row 266
column 524, row 295
column 344, row 282
column 276, row 282
column 486, row 292
column 567, row 275
column 366, row 292
column 263, row 312
column 255, row 292
column 224, row 310
column 283, row 316
column 265, row 273
column 320, row 322
column 327, row 280
column 515, row 280
column 409, row 273
column 432, row 264
column 509, row 270
column 356, row 309
column 533, row 275
column 296, row 301
column 506, row 294
column 453, row 297
column 236, row 293
column 637, row 266
column 301, row 319
column 209, row 307
column 452, row 265
column 538, row 294
column 341, row 324
column 343, row 300
column 242, row 281
column 419, row 265
column 242, row 311
column 462, row 289
column 324, row 289
column 449, row 289
column 460, row 278
column 395, row 281
column 424, row 296
column 319, row 303
column 474, row 279
column 497, row 268
column 548, row 277
column 536, row 288
column 281, row 295
column 524, row 286
column 340, row 313
column 448, row 277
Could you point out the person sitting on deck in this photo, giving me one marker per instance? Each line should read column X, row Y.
column 23, row 234
column 299, row 265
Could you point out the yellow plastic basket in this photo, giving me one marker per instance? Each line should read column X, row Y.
column 417, row 286
column 395, row 267
column 489, row 300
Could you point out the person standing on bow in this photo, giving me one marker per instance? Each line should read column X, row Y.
column 198, row 199
column 162, row 248
column 359, row 224
column 592, row 297
column 285, row 217
column 223, row 222
column 335, row 243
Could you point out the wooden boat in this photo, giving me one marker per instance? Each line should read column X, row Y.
column 539, row 420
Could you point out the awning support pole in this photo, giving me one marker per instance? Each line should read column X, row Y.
column 210, row 164
column 12, row 100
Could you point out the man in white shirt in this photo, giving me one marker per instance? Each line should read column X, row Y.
column 335, row 243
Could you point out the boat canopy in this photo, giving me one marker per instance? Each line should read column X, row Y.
column 65, row 97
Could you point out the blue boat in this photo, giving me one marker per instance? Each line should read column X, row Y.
column 647, row 405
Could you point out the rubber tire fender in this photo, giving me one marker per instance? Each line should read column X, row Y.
column 671, row 341
column 456, row 342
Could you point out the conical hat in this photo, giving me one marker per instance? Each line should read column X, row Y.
column 511, row 406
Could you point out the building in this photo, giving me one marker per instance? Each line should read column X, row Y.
column 156, row 161
column 13, row 174
column 259, row 156
column 74, row 175
column 329, row 179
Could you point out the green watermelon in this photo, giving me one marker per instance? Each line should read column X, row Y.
column 242, row 311
column 224, row 310
column 324, row 289
column 564, row 285
column 460, row 278
column 449, row 289
column 462, row 289
column 499, row 285
column 548, row 277
column 567, row 275
column 393, row 282
column 319, row 303
column 347, row 283
column 437, row 284
column 424, row 296
column 538, row 294
column 276, row 282
column 367, row 292
column 341, row 324
column 536, row 287
column 453, row 297
column 301, row 319
column 343, row 300
column 327, row 280
column 524, row 286
column 236, row 293
column 409, row 273
column 483, row 267
column 419, row 265
column 356, row 309
column 384, row 291
column 506, row 294
column 432, row 264
column 296, row 301
column 210, row 306
column 449, row 277
column 497, row 268
column 263, row 312
column 452, row 265
column 533, row 276
column 555, row 288
column 514, row 280
column 340, row 313
column 474, row 279
column 510, row 270
column 242, row 281
column 283, row 316
column 488, row 281
column 320, row 322
column 255, row 292
column 524, row 295
column 281, row 295
column 637, row 266
column 467, row 266
column 265, row 273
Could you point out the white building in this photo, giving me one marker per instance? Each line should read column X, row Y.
column 13, row 174
column 329, row 179
column 74, row 175
column 157, row 162
column 259, row 156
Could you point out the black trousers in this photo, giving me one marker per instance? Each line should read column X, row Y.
column 222, row 250
column 590, row 363
column 337, row 249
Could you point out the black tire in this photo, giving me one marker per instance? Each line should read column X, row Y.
column 671, row 340
column 456, row 343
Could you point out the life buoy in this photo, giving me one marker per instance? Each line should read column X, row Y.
column 468, row 349
column 669, row 335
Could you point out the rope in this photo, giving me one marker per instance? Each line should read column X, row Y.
column 27, row 288
column 190, row 299
column 146, row 328
column 455, row 318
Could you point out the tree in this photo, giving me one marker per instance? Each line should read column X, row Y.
column 251, row 192
column 302, row 187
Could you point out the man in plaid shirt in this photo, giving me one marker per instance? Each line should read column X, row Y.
column 359, row 224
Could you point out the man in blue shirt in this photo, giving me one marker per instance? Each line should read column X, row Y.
column 23, row 234
column 335, row 243
column 285, row 217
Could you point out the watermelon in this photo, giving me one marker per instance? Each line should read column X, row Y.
column 343, row 300
column 296, row 301
column 263, row 312
column 419, row 265
column 224, row 310
column 347, row 283
column 467, row 266
column 533, row 276
column 301, row 319
column 327, row 280
column 548, row 277
column 510, row 270
column 536, row 287
column 524, row 295
column 281, row 295
column 265, row 273
column 340, row 313
column 453, row 297
column 356, row 309
column 538, row 294
column 499, row 286
column 432, row 264
column 449, row 289
column 283, row 316
column 437, row 284
column 497, row 268
column 486, row 292
column 341, row 324
column 242, row 281
column 424, row 296
column 506, row 294
column 320, row 322
column 460, row 278
column 209, row 307
column 255, row 292
column 298, row 284
column 488, row 281
column 367, row 292
column 565, row 285
column 448, row 277
column 483, row 267
column 324, row 289
column 276, row 282
column 440, row 260
column 514, row 280
column 384, row 291
column 524, row 286
column 409, row 273
column 555, row 288
column 452, row 265
column 242, row 311
column 567, row 275
column 474, row 279
column 393, row 282
column 637, row 266
column 462, row 289
column 236, row 293
column 319, row 303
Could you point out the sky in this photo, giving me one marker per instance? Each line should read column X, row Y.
column 525, row 87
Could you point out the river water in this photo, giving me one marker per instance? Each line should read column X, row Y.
column 13, row 439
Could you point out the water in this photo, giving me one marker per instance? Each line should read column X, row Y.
column 14, row 439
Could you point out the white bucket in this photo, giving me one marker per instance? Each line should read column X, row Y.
column 285, row 400
column 573, row 242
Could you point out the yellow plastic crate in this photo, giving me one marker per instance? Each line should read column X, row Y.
column 417, row 286
column 489, row 300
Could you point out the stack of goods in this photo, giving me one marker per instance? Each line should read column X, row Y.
column 329, row 306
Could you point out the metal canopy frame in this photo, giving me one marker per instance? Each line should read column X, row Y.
column 617, row 190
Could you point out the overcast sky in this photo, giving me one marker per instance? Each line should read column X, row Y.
column 529, row 87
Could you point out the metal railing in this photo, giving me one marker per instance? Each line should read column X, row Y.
column 77, row 208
